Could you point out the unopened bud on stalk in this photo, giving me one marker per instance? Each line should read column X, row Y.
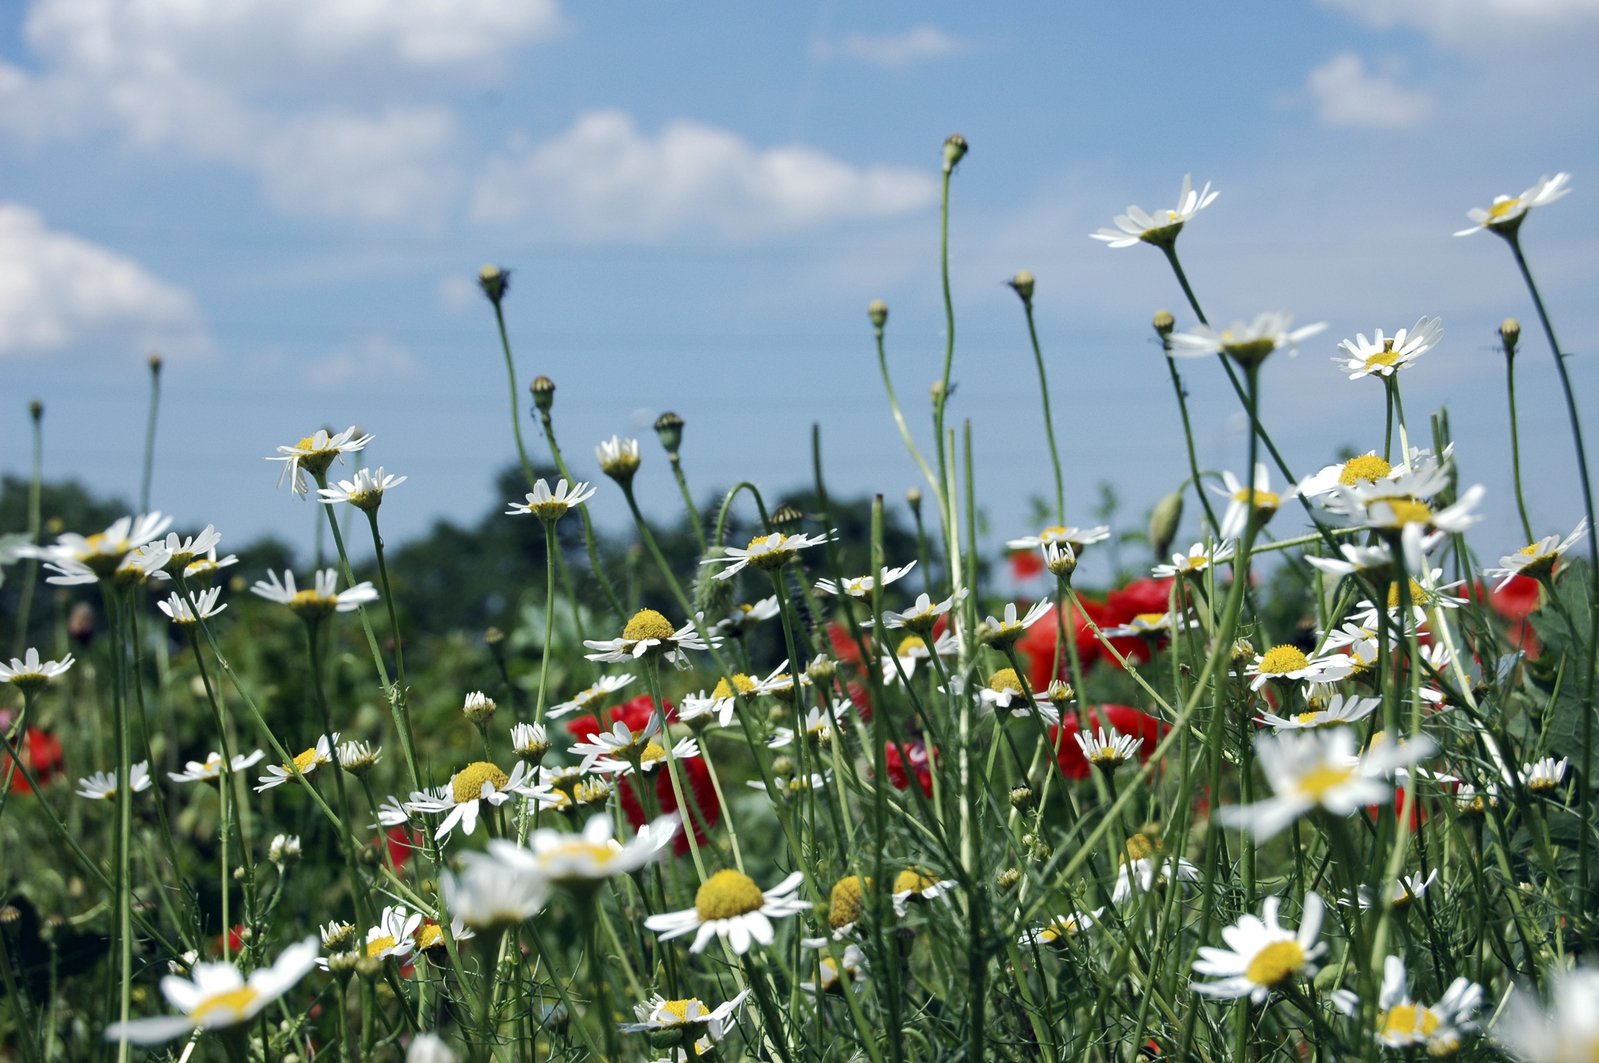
column 669, row 429
column 877, row 311
column 1163, row 522
column 1007, row 879
column 493, row 636
column 543, row 389
column 712, row 597
column 782, row 766
column 1022, row 284
column 478, row 706
column 1021, row 797
column 913, row 498
column 1164, row 323
column 1510, row 335
column 787, row 513
column 937, row 391
column 155, row 363
column 955, row 148
column 494, row 280
column 36, row 410
column 1243, row 652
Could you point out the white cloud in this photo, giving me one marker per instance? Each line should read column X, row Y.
column 604, row 179
column 1485, row 26
column 892, row 50
column 373, row 361
column 60, row 292
column 1348, row 94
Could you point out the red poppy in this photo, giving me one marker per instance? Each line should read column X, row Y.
column 705, row 813
column 845, row 649
column 635, row 713
column 402, row 842
column 1025, row 564
column 1516, row 601
column 917, row 756
column 1122, row 718
column 1038, row 644
column 1140, row 597
column 235, row 936
column 41, row 754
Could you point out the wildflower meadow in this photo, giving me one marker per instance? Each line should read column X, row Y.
column 802, row 777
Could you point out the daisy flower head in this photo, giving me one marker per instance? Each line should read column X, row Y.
column 1536, row 560
column 1353, row 559
column 1319, row 769
column 217, row 995
column 30, row 672
column 1161, row 228
column 1107, row 750
column 1369, row 468
column 646, row 758
column 1288, row 663
column 86, row 558
column 318, row 601
column 365, row 492
column 1261, row 954
column 832, row 975
column 568, row 859
column 1545, row 775
column 1144, row 868
column 1062, row 534
column 395, row 935
column 923, row 614
column 178, row 552
column 618, row 458
column 188, row 610
column 283, row 848
column 766, row 552
column 550, row 506
column 1060, row 559
column 1200, row 557
column 863, row 586
column 649, row 634
column 746, row 615
column 1386, row 355
column 1439, row 1028
column 1336, row 711
column 358, row 758
column 1063, row 928
column 589, row 696
column 846, row 904
column 1003, row 632
column 1004, row 691
column 461, row 799
column 303, row 764
column 1247, row 344
column 489, row 894
column 1505, row 215
column 1148, row 625
column 530, row 741
column 689, row 1017
column 1425, row 594
column 1568, row 1032
column 620, row 741
column 314, row 454
column 211, row 767
column 912, row 650
column 791, row 783
column 1401, row 893
column 103, row 785
column 729, row 905
column 917, row 884
column 1257, row 500
column 700, row 709
column 818, row 728
column 202, row 570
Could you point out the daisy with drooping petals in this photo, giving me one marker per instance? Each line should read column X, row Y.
column 832, row 975
column 649, row 634
column 211, row 767
column 1290, row 664
column 188, row 611
column 690, row 1017
column 1248, row 344
column 1258, row 499
column 103, row 785
column 1385, row 356
column 1405, row 1024
column 1161, row 228
column 618, row 458
column 1536, row 560
column 1545, row 775
column 303, row 764
column 1335, row 712
column 1200, row 557
column 365, row 492
column 217, row 995
column 1107, row 750
column 321, row 599
column 1062, row 535
column 765, row 552
column 729, row 905
column 1061, row 929
column 1506, row 213
column 550, row 506
column 917, row 884
column 862, row 586
column 923, row 614
column 30, row 672
column 745, row 616
column 646, row 758
column 1401, row 893
column 314, row 454
column 1003, row 632
column 461, row 799
column 819, row 727
column 1261, row 955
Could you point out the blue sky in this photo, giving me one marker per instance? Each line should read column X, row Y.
column 290, row 200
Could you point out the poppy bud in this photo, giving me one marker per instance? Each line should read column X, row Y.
column 1164, row 323
column 669, row 428
column 1022, row 284
column 955, row 148
column 877, row 312
column 1163, row 521
column 1510, row 335
column 494, row 280
column 543, row 389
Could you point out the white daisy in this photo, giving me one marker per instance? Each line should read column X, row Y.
column 833, row 975
column 820, row 726
column 204, row 569
column 178, row 552
column 862, row 586
column 912, row 650
column 1005, row 631
column 765, row 552
column 646, row 759
column 1258, row 497
column 1355, row 559
column 1405, row 1024
column 1363, row 468
column 1061, row 929
column 1506, row 213
column 649, row 634
column 358, row 758
column 461, row 799
column 303, row 764
column 689, row 1016
column 1062, row 534
column 365, row 492
column 1401, row 893
column 620, row 741
column 211, row 767
column 1261, row 955
column 923, row 614
column 618, row 458
column 568, row 859
column 314, row 454
column 487, row 893
column 186, row 611
column 746, row 615
column 1149, row 625
column 792, row 785
column 1200, row 557
column 1334, row 712
column 1536, row 560
column 1315, row 769
column 30, row 672
column 394, row 936
column 1107, row 750
column 588, row 696
column 1385, row 356
column 83, row 559
column 1247, row 344
column 1162, row 227
column 915, row 884
column 530, row 740
column 1545, row 775
column 729, row 905
column 1004, row 692
column 319, row 600
column 217, row 995
column 1426, row 594
column 103, row 785
column 1144, row 869
column 1291, row 664
column 550, row 505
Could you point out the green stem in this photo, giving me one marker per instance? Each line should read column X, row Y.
column 149, row 434
column 1515, row 446
column 30, row 574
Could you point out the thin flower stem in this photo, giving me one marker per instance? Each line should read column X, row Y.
column 1049, row 420
column 1188, row 436
column 398, row 705
column 1515, row 446
column 899, row 417
column 30, row 573
column 149, row 434
column 688, row 499
column 550, row 548
column 590, row 542
column 510, row 377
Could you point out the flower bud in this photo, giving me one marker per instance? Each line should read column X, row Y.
column 786, row 514
column 543, row 389
column 669, row 428
column 955, row 148
column 1021, row 797
column 1510, row 335
column 1164, row 323
column 1163, row 521
column 494, row 636
column 36, row 410
column 154, row 362
column 1007, row 879
column 1022, row 284
column 494, row 280
column 782, row 766
column 913, row 498
column 478, row 706
column 877, row 312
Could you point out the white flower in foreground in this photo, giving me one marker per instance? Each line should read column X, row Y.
column 314, row 454
column 917, row 884
column 649, row 634
column 618, row 458
column 1545, row 775
column 690, row 1015
column 321, row 599
column 188, row 611
column 1061, row 929
column 1200, row 556
column 1291, row 664
column 430, row 1048
column 1369, row 467
column 923, row 614
column 571, row 859
column 31, row 672
column 1003, row 691
column 1248, row 344
column 550, row 505
column 1537, row 559
column 1567, row 1033
column 1308, row 770
column 1005, row 631
column 862, row 586
column 1241, row 500
column 1506, row 213
column 1107, row 749
column 103, row 785
column 1162, row 227
column 487, row 893
column 1439, row 1027
column 303, row 764
column 1401, row 893
column 1385, row 356
column 211, row 767
column 83, row 559
column 1355, row 559
column 729, row 905
column 1063, row 535
column 765, row 552
column 1338, row 710
column 1261, row 955
column 588, row 697
column 912, row 650
column 218, row 996
column 461, row 799
column 365, row 492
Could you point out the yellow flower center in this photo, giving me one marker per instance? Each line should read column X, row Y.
column 233, row 1001
column 768, row 551
column 727, row 895
column 1418, row 596
column 1368, row 468
column 305, row 762
column 1053, row 533
column 1322, row 779
column 647, row 624
column 1410, row 511
column 1140, row 847
column 429, row 936
column 1273, row 964
column 378, row 945
column 678, row 1009
column 741, row 682
column 591, row 793
column 1385, row 357
column 1499, row 210
column 651, row 753
column 1150, row 620
column 1248, row 351
column 1408, row 1019
column 845, row 904
column 468, row 783
column 913, row 880
column 1280, row 660
column 1307, row 718
column 1265, row 501
column 911, row 646
column 1005, row 679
